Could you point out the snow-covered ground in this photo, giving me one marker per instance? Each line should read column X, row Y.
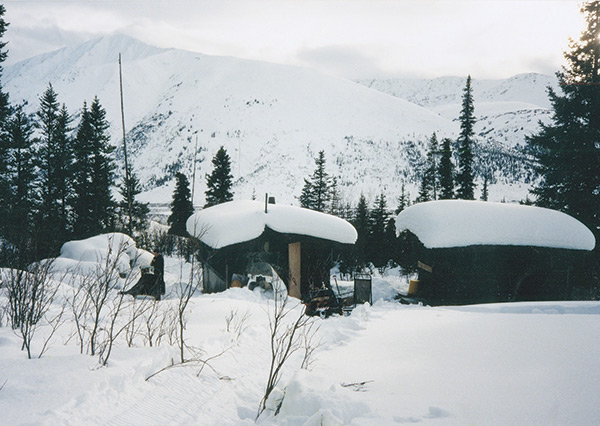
column 385, row 364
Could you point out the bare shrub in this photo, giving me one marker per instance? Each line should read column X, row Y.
column 184, row 292
column 30, row 295
column 151, row 326
column 236, row 324
column 167, row 327
column 79, row 303
column 285, row 340
column 54, row 322
column 144, row 310
column 309, row 344
column 100, row 312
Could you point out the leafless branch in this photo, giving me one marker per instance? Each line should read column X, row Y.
column 284, row 341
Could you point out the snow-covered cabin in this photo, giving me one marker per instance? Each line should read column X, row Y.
column 479, row 252
column 240, row 237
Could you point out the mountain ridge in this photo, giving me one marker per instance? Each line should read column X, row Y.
column 273, row 119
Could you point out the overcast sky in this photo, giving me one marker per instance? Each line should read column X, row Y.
column 351, row 39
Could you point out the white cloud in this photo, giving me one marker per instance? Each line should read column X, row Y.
column 486, row 38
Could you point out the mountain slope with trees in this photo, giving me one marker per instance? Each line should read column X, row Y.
column 272, row 119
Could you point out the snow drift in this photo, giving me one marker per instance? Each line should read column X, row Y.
column 461, row 223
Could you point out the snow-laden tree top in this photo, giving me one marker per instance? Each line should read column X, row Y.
column 460, row 223
column 238, row 221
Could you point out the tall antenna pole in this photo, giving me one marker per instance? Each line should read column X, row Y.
column 127, row 181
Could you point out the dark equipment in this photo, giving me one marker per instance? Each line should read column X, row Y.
column 149, row 284
column 152, row 282
column 363, row 289
column 323, row 302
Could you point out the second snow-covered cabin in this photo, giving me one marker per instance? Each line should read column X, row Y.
column 242, row 240
column 482, row 252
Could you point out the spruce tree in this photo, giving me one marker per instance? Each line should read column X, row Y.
column 51, row 227
column 306, row 196
column 335, row 205
column 22, row 179
column 446, row 171
column 465, row 178
column 181, row 206
column 390, row 241
column 567, row 151
column 82, row 177
column 429, row 182
column 377, row 252
column 137, row 221
column 5, row 112
column 403, row 200
column 423, row 191
column 484, row 191
column 103, row 170
column 316, row 193
column 64, row 164
column 93, row 174
column 219, row 182
column 361, row 224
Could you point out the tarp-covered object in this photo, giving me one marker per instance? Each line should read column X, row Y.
column 239, row 221
column 462, row 223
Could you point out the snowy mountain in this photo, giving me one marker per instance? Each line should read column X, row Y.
column 506, row 110
column 273, row 119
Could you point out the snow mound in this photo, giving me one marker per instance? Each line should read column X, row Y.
column 461, row 223
column 84, row 256
column 238, row 221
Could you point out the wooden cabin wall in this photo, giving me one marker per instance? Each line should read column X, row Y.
column 295, row 269
column 485, row 274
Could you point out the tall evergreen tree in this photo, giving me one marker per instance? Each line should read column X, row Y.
column 377, row 252
column 306, row 196
column 22, row 178
column 361, row 224
column 567, row 151
column 64, row 164
column 390, row 241
column 465, row 178
column 219, row 182
column 316, row 193
column 51, row 226
column 181, row 206
column 82, row 177
column 103, row 170
column 403, row 200
column 429, row 182
column 5, row 112
column 137, row 221
column 335, row 205
column 446, row 171
column 484, row 190
column 93, row 173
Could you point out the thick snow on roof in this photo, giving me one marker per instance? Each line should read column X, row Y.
column 459, row 223
column 238, row 221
